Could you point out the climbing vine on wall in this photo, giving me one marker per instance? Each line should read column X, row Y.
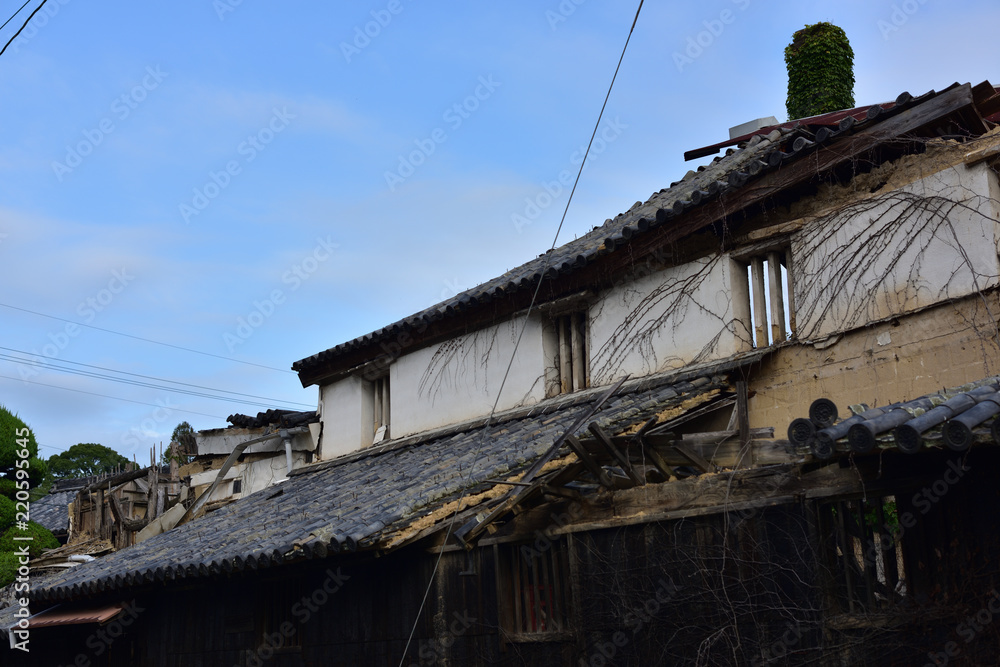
column 820, row 65
column 879, row 257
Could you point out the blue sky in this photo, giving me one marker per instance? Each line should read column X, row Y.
column 262, row 182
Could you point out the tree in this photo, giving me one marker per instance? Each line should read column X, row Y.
column 17, row 444
column 183, row 436
column 84, row 460
column 20, row 469
column 820, row 65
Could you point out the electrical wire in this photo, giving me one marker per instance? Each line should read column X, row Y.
column 117, row 398
column 148, row 340
column 14, row 14
column 51, row 364
column 25, row 25
column 513, row 354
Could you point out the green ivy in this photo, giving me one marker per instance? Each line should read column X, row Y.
column 820, row 65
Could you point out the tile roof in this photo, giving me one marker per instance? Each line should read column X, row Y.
column 287, row 418
column 955, row 418
column 736, row 172
column 51, row 510
column 362, row 501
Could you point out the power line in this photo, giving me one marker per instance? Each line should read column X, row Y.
column 25, row 25
column 148, row 340
column 52, row 365
column 117, row 398
column 517, row 343
column 14, row 14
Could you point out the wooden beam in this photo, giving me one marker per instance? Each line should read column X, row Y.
column 692, row 414
column 759, row 305
column 694, row 457
column 616, row 454
column 197, row 508
column 777, row 301
column 592, row 465
column 470, row 531
column 743, row 420
column 654, row 456
column 562, row 492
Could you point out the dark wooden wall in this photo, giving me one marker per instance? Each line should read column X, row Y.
column 758, row 587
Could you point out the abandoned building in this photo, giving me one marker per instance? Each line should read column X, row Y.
column 748, row 421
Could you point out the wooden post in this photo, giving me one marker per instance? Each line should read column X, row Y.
column 577, row 337
column 743, row 420
column 777, row 303
column 790, row 294
column 565, row 357
column 759, row 307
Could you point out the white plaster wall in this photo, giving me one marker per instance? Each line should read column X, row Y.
column 664, row 320
column 254, row 475
column 220, row 442
column 458, row 380
column 347, row 425
column 928, row 242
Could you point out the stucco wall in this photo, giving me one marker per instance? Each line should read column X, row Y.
column 347, row 425
column 932, row 240
column 665, row 320
column 458, row 380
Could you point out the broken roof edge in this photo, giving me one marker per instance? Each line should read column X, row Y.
column 716, row 191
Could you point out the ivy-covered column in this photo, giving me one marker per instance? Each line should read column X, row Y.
column 820, row 65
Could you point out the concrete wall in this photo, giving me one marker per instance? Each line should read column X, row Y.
column 666, row 320
column 930, row 241
column 459, row 379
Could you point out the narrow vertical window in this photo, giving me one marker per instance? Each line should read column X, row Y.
column 572, row 352
column 380, row 401
column 863, row 553
column 772, row 310
column 534, row 588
